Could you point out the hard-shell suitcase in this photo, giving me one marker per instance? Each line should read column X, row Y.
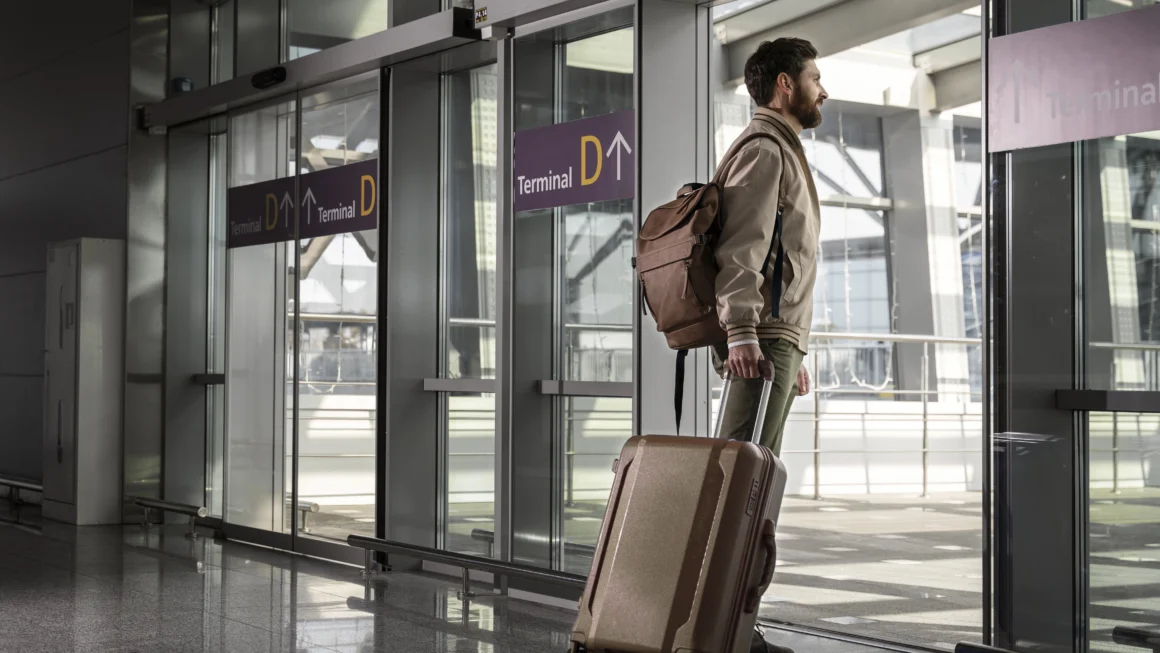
column 686, row 550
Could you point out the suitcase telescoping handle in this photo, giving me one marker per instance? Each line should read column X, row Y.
column 762, row 405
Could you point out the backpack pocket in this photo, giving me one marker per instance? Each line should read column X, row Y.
column 674, row 283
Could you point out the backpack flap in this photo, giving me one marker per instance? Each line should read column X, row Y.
column 694, row 201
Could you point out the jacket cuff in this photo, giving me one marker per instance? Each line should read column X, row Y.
column 739, row 332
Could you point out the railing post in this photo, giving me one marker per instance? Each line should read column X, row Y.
column 1116, row 453
column 925, row 387
column 466, row 594
column 817, row 429
column 569, row 453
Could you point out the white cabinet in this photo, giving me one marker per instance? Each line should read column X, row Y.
column 83, row 381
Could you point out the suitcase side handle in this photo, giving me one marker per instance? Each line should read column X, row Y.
column 769, row 543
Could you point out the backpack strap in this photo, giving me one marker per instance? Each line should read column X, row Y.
column 778, row 265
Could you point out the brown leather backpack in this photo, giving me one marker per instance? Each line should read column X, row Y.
column 677, row 266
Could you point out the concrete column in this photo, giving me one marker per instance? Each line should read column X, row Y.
column 924, row 256
column 673, row 142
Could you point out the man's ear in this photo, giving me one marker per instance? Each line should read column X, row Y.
column 784, row 83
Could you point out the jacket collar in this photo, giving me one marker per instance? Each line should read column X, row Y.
column 779, row 124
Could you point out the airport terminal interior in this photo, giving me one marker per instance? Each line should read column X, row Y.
column 284, row 296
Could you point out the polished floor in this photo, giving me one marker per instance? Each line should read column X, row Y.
column 898, row 568
column 120, row 589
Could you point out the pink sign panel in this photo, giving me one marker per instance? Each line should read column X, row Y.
column 1075, row 81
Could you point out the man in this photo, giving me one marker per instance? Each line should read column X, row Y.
column 767, row 338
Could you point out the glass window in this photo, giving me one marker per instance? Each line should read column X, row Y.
column 895, row 410
column 469, row 304
column 338, row 327
column 315, row 25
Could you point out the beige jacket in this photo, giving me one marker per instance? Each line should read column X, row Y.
column 759, row 176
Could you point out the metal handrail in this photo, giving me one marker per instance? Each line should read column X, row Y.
column 1131, row 346
column 894, row 337
column 15, row 485
column 193, row 512
column 467, row 562
column 304, row 508
column 484, row 535
column 1136, row 637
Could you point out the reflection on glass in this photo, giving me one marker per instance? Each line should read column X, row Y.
column 595, row 245
column 259, row 303
column 216, row 326
column 469, row 305
column 596, row 239
column 596, row 253
column 1121, row 293
column 1123, row 269
column 469, row 420
column 338, row 330
column 1124, row 541
column 895, row 410
column 595, row 429
column 315, row 25
column 470, row 222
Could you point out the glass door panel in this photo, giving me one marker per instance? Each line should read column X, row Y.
column 337, row 323
column 1122, row 298
column 260, row 300
column 579, row 319
column 469, row 305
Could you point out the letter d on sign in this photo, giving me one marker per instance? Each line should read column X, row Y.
column 365, row 206
column 585, row 180
column 271, row 205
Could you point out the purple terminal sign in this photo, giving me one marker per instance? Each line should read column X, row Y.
column 260, row 214
column 588, row 160
column 333, row 201
column 1076, row 81
column 339, row 200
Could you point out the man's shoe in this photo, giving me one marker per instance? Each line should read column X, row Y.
column 759, row 645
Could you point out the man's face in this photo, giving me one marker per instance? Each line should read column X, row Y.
column 808, row 95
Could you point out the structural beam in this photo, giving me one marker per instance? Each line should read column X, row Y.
column 843, row 26
column 951, row 55
column 414, row 40
column 958, row 86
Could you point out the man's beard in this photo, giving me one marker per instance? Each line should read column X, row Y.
column 806, row 112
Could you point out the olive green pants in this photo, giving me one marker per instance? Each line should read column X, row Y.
column 744, row 394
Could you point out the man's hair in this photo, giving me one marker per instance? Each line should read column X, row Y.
column 785, row 55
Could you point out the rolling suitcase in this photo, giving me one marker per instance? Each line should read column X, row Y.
column 686, row 550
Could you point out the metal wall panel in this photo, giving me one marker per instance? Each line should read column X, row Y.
column 37, row 33
column 72, row 107
column 411, row 316
column 1038, row 457
column 258, row 38
column 185, row 315
column 669, row 147
column 532, row 259
column 190, row 42
column 77, row 198
column 145, row 258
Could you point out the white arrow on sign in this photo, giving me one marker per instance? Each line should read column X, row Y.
column 308, row 200
column 618, row 145
column 287, row 200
